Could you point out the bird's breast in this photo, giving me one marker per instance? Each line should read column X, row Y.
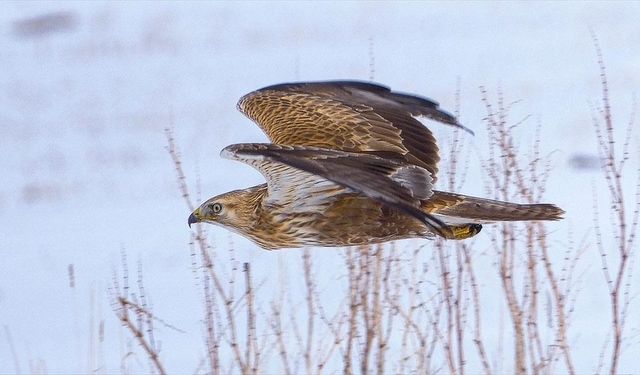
column 350, row 220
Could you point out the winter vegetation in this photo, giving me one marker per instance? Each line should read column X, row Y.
column 407, row 310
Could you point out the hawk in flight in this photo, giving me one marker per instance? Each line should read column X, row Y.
column 349, row 164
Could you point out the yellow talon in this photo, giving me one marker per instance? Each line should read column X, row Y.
column 461, row 232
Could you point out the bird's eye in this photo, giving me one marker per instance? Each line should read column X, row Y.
column 216, row 208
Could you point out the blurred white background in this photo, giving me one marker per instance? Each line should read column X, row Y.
column 85, row 173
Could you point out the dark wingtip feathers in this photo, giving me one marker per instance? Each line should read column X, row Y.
column 421, row 106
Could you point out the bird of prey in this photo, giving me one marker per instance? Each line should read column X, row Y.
column 349, row 164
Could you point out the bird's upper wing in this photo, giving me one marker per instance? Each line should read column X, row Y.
column 306, row 174
column 349, row 116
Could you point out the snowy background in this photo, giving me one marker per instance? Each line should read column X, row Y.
column 85, row 174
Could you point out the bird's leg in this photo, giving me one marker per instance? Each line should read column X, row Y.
column 464, row 231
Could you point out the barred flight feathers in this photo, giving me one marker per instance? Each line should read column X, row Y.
column 349, row 116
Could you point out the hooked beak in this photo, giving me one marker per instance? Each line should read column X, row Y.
column 193, row 218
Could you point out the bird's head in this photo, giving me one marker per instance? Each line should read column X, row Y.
column 234, row 210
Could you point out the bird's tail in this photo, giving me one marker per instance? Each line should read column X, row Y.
column 472, row 209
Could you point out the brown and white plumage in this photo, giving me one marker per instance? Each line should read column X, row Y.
column 349, row 164
column 308, row 178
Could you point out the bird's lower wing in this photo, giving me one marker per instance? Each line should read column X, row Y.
column 306, row 173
